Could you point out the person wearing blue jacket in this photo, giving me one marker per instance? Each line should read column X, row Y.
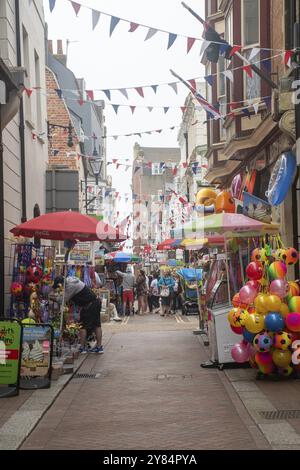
column 166, row 284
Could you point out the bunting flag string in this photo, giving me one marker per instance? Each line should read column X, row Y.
column 133, row 26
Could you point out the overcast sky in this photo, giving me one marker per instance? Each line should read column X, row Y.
column 126, row 60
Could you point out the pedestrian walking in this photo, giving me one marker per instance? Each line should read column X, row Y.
column 81, row 295
column 128, row 283
column 154, row 294
column 177, row 290
column 142, row 292
column 166, row 284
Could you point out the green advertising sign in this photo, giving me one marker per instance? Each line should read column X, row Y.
column 10, row 348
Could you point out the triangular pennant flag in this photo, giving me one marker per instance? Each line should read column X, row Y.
column 52, row 5
column 183, row 108
column 184, row 164
column 287, row 58
column 76, row 7
column 117, row 166
column 172, row 38
column 150, row 108
column 159, row 131
column 154, row 88
column 234, row 50
column 246, row 112
column 209, row 79
column 90, row 94
column 150, row 34
column 255, row 107
column 172, row 128
column 146, row 203
column 140, row 91
column 115, row 137
column 114, row 160
column 190, row 43
column 228, row 74
column 192, row 82
column 95, row 18
column 248, row 70
column 116, row 107
column 224, row 49
column 124, row 92
column 173, row 86
column 132, row 109
column 80, row 102
column 204, row 46
column 267, row 100
column 28, row 92
column 267, row 64
column 174, row 171
column 138, row 134
column 137, row 168
column 126, row 168
column 166, row 109
column 107, row 93
column 133, row 27
column 59, row 92
column 33, row 135
column 113, row 23
column 253, row 53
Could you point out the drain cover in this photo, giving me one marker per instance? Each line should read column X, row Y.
column 86, row 376
column 280, row 414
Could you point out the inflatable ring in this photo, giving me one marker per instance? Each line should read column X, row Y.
column 281, row 178
column 205, row 209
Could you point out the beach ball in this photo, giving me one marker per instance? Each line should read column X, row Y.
column 293, row 289
column 263, row 342
column 294, row 304
column 237, row 316
column 240, row 352
column 260, row 303
column 254, row 284
column 281, row 358
column 292, row 256
column 249, row 337
column 16, row 288
column 236, row 301
column 286, row 371
column 284, row 310
column 248, row 294
column 277, row 270
column 225, row 202
column 292, row 321
column 278, row 254
column 255, row 255
column 254, row 271
column 282, row 340
column 273, row 303
column 263, row 358
column 28, row 321
column 254, row 323
column 232, row 316
column 274, row 322
column 238, row 330
column 279, row 287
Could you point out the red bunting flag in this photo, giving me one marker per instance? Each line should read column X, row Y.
column 28, row 92
column 114, row 160
column 248, row 70
column 190, row 43
column 133, row 27
column 140, row 91
column 184, row 164
column 132, row 109
column 76, row 7
column 80, row 102
column 175, row 171
column 117, row 194
column 90, row 94
column 193, row 83
column 149, row 164
column 183, row 108
column 234, row 50
column 33, row 135
column 118, row 164
column 287, row 58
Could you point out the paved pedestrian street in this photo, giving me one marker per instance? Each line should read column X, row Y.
column 148, row 391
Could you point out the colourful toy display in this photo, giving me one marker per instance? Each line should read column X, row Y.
column 270, row 317
column 225, row 202
column 281, row 178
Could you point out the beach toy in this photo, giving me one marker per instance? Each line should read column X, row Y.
column 273, row 303
column 292, row 256
column 281, row 358
column 16, row 288
column 292, row 321
column 248, row 294
column 263, row 342
column 277, row 270
column 240, row 352
column 254, row 323
column 274, row 322
column 281, row 178
column 294, row 304
column 279, row 287
column 254, row 270
column 282, row 340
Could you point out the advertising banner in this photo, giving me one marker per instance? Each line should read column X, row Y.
column 10, row 355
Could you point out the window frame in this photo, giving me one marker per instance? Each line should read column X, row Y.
column 248, row 47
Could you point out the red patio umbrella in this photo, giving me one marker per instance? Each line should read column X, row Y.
column 68, row 225
column 166, row 245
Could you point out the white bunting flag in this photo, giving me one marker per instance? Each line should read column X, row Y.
column 228, row 74
column 150, row 33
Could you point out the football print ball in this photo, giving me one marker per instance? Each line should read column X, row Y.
column 262, row 342
column 282, row 340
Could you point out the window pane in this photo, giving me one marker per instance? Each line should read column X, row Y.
column 222, row 78
column 252, row 85
column 251, row 22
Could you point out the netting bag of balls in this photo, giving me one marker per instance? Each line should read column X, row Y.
column 266, row 312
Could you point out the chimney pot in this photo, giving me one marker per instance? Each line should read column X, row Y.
column 59, row 47
column 50, row 46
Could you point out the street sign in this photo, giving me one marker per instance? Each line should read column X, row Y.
column 10, row 356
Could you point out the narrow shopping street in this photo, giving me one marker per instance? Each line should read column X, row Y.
column 149, row 393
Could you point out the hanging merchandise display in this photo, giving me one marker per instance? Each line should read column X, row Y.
column 281, row 178
column 267, row 310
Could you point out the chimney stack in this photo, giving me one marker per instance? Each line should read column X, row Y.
column 60, row 56
column 50, row 46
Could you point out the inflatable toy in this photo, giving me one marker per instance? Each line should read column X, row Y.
column 281, row 178
column 236, row 186
column 206, row 197
column 225, row 203
column 277, row 270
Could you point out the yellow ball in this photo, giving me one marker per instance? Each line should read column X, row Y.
column 284, row 310
column 28, row 321
column 281, row 358
column 273, row 302
column 254, row 323
column 260, row 303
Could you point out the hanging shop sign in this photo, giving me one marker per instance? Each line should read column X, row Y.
column 257, row 208
column 37, row 352
column 10, row 357
column 81, row 252
column 281, row 178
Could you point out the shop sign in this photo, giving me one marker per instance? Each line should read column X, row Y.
column 10, row 353
column 81, row 252
column 37, row 351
